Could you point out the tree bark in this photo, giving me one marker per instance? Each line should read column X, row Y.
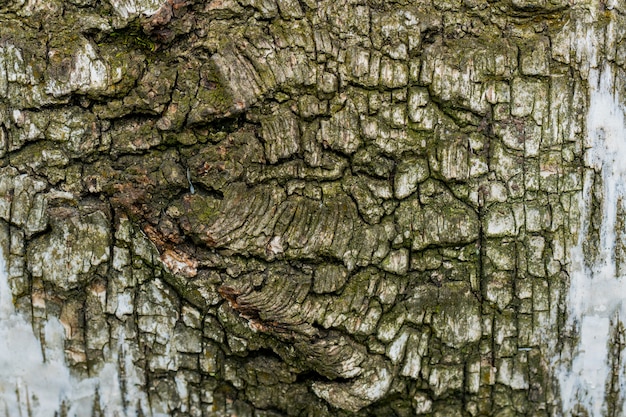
column 321, row 208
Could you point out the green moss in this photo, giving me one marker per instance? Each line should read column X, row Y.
column 186, row 290
column 131, row 36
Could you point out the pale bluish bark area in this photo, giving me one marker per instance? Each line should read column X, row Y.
column 323, row 208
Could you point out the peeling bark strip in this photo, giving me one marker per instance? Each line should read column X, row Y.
column 323, row 208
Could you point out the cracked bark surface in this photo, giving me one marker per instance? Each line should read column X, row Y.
column 285, row 207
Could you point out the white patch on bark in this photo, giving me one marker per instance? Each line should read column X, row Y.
column 89, row 73
column 596, row 307
column 133, row 8
column 35, row 379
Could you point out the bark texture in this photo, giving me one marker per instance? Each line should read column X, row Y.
column 282, row 207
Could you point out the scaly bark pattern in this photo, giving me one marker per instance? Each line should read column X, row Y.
column 281, row 207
